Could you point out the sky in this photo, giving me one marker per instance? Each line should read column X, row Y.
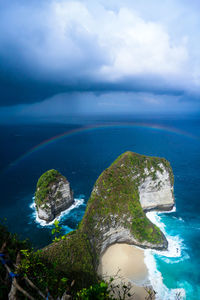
column 60, row 58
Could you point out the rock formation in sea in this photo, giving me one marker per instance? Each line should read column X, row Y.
column 53, row 195
column 115, row 212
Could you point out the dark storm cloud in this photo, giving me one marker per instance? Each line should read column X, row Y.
column 35, row 63
column 52, row 47
column 71, row 107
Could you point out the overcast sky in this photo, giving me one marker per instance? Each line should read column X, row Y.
column 64, row 57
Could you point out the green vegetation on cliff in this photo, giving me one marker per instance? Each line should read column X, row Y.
column 115, row 198
column 44, row 183
column 73, row 256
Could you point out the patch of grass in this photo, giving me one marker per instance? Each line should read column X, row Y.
column 53, row 268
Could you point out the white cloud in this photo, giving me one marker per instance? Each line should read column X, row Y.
column 112, row 44
column 142, row 47
column 133, row 45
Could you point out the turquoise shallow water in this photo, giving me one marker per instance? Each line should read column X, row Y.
column 81, row 157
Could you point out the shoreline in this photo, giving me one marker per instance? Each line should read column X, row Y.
column 173, row 251
column 126, row 263
column 146, row 272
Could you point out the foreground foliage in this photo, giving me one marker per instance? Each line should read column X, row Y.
column 46, row 277
column 32, row 265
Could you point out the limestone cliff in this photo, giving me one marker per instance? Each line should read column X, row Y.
column 53, row 195
column 156, row 189
column 115, row 211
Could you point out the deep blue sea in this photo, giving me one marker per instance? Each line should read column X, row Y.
column 82, row 155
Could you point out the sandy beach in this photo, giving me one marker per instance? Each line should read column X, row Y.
column 127, row 262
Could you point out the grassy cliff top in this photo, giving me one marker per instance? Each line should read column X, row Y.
column 44, row 183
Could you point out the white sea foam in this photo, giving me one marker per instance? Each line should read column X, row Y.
column 77, row 203
column 178, row 218
column 174, row 242
column 169, row 211
column 175, row 246
column 156, row 280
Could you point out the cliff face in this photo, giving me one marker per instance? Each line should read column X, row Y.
column 157, row 192
column 53, row 195
column 115, row 211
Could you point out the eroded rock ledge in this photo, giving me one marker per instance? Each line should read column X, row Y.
column 53, row 195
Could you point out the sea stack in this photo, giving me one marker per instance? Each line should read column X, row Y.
column 53, row 195
column 131, row 186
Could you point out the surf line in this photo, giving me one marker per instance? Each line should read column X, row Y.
column 96, row 127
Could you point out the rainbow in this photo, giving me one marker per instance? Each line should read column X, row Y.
column 88, row 128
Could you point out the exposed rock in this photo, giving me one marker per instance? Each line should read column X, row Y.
column 53, row 195
column 157, row 193
column 124, row 235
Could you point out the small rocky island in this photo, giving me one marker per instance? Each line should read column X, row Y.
column 115, row 213
column 53, row 195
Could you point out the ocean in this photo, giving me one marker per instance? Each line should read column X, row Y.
column 81, row 150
